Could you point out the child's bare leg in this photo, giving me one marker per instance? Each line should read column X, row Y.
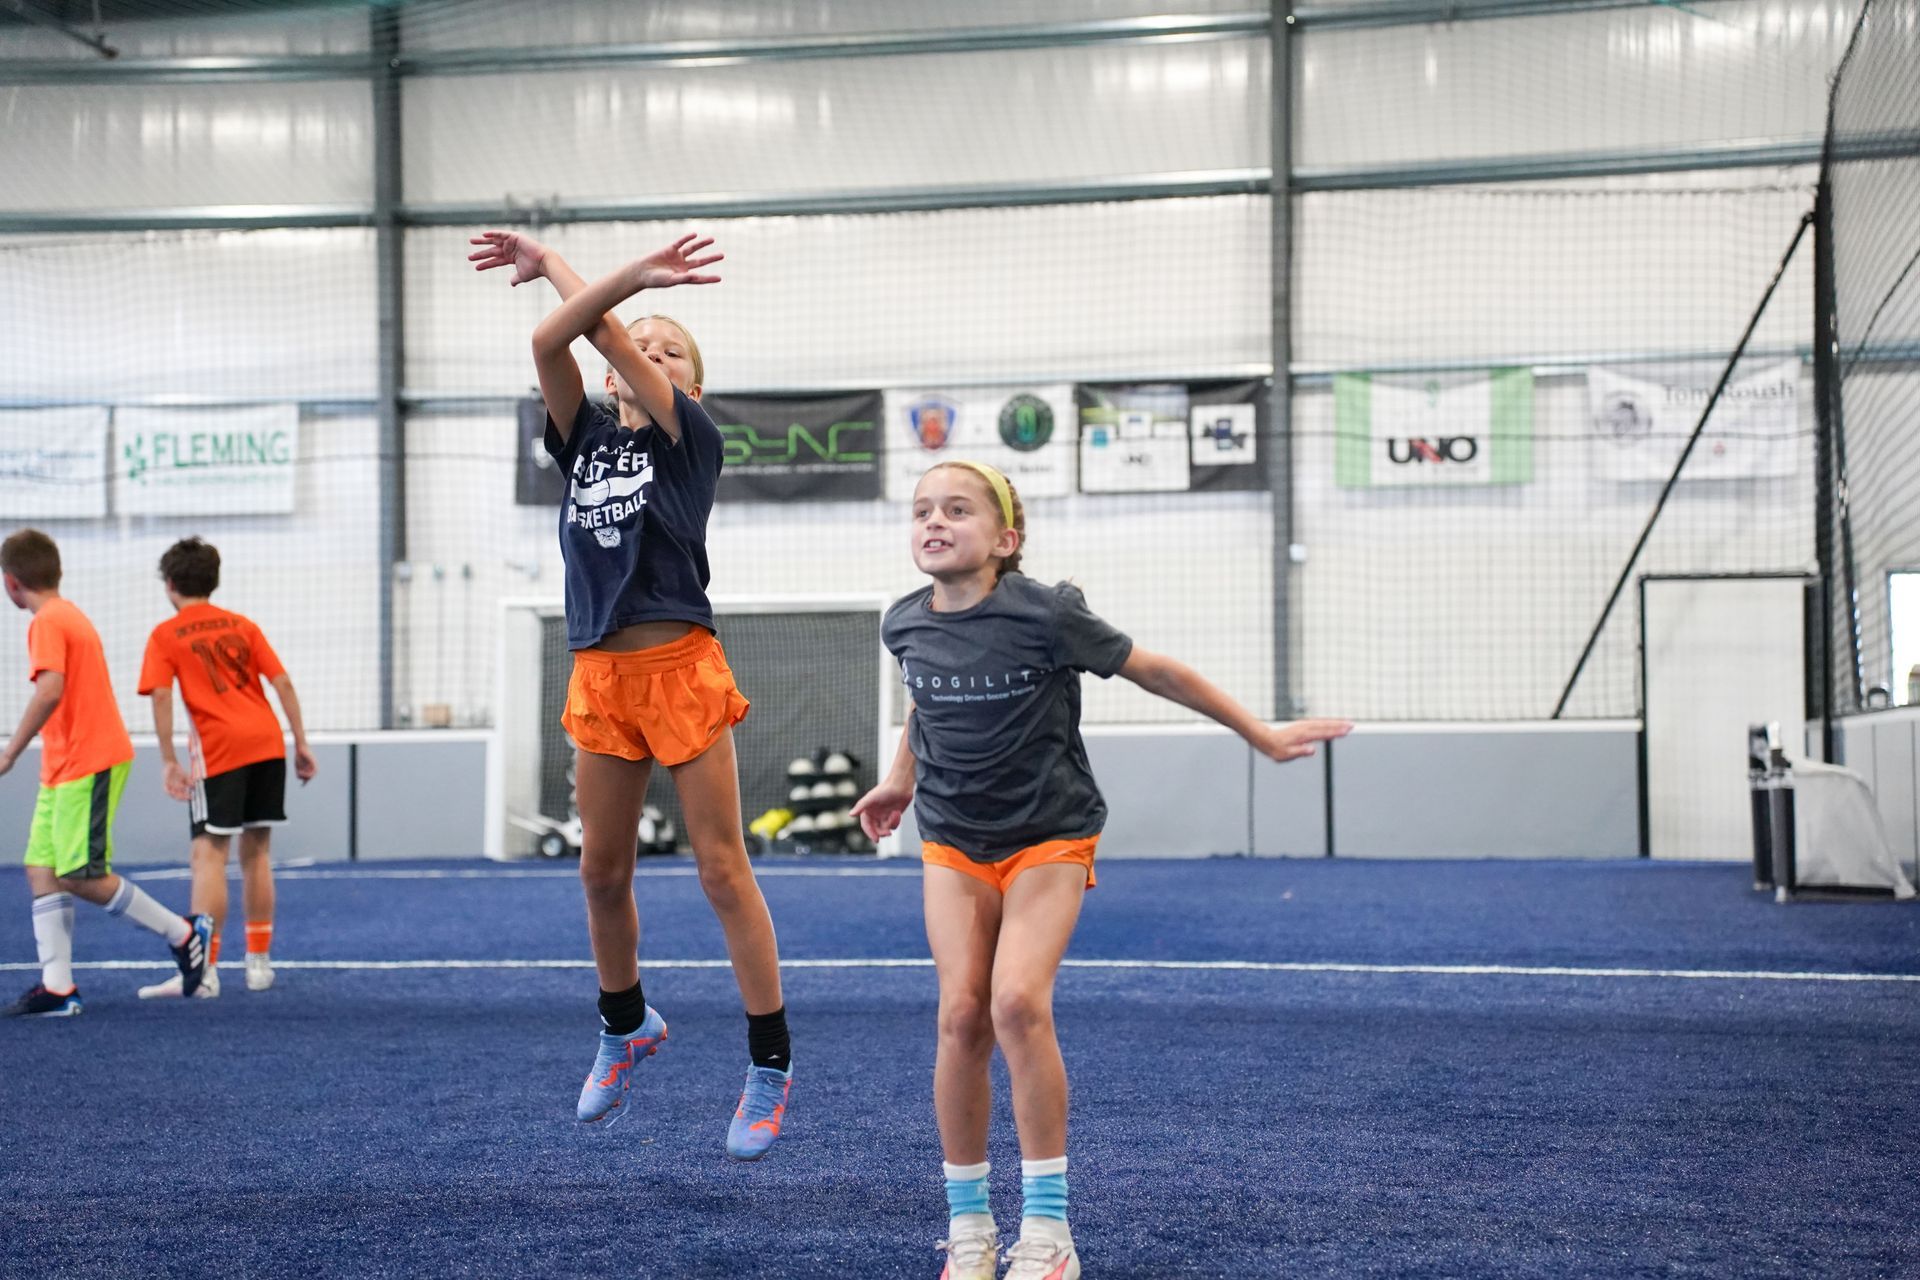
column 963, row 925
column 1042, row 906
column 610, row 792
column 709, row 787
column 256, row 874
column 209, row 861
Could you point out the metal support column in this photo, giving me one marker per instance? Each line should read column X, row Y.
column 389, row 265
column 1277, row 448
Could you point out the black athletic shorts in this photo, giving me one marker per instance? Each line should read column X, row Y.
column 254, row 795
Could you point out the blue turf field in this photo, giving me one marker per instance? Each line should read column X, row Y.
column 1301, row 1068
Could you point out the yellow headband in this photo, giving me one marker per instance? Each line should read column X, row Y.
column 996, row 482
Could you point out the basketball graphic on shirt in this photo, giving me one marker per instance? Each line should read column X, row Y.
column 623, row 494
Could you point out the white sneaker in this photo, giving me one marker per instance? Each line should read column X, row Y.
column 259, row 971
column 1041, row 1259
column 974, row 1251
column 170, row 989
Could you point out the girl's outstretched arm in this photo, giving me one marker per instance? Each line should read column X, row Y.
column 678, row 263
column 1177, row 682
column 532, row 260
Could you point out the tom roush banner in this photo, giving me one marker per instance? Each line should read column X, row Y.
column 808, row 448
column 1171, row 437
column 1642, row 422
column 1027, row 432
column 1433, row 429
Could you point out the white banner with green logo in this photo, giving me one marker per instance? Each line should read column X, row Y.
column 215, row 461
column 1395, row 430
column 1027, row 432
column 53, row 462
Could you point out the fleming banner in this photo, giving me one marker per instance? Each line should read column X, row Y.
column 1643, row 423
column 216, row 461
column 801, row 448
column 1435, row 429
column 1171, row 437
column 53, row 462
column 1024, row 431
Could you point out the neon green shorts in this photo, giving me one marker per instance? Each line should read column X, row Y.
column 73, row 824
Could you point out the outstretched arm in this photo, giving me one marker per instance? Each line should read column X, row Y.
column 532, row 260
column 1177, row 682
column 678, row 263
column 304, row 763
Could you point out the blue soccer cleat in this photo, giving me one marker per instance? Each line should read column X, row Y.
column 191, row 955
column 606, row 1086
column 39, row 1002
column 763, row 1105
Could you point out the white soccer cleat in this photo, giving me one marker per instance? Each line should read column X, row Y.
column 259, row 971
column 1042, row 1259
column 170, row 989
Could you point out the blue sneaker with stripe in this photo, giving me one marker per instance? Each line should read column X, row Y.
column 763, row 1106
column 191, row 955
column 39, row 1002
column 606, row 1086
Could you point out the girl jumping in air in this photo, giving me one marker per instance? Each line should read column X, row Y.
column 1009, row 814
column 650, row 683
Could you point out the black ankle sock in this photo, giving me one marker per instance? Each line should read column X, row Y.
column 767, row 1039
column 623, row 1011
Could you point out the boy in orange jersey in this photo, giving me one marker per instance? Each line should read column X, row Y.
column 84, row 759
column 239, row 779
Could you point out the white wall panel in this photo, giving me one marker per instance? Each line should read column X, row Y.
column 1038, row 116
column 95, row 147
column 1572, row 268
column 284, row 31
column 1174, row 287
column 503, row 23
column 278, row 315
column 1648, row 78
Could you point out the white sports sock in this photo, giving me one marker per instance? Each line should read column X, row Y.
column 137, row 905
column 53, row 937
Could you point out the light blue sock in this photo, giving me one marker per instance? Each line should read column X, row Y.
column 966, row 1188
column 1043, row 1188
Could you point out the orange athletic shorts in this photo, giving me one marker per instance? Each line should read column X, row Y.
column 668, row 703
column 1000, row 874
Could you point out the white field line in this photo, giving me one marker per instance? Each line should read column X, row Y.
column 1188, row 966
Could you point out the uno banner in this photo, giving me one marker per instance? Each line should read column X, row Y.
column 53, row 462
column 1642, row 424
column 1024, row 431
column 1435, row 429
column 1170, row 437
column 806, row 448
column 215, row 461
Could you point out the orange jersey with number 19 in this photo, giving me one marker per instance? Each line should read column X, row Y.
column 219, row 658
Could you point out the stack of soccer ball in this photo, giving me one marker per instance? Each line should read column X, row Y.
column 821, row 789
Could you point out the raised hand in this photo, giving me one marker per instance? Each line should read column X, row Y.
column 1285, row 742
column 678, row 263
column 527, row 256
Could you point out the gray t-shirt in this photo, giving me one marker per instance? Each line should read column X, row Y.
column 996, row 714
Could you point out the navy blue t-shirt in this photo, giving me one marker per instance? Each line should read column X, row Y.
column 633, row 530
